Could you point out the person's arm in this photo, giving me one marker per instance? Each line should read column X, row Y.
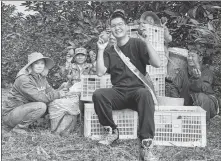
column 154, row 58
column 202, row 83
column 31, row 92
column 100, row 66
column 167, row 36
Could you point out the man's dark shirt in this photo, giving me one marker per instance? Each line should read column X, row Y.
column 121, row 76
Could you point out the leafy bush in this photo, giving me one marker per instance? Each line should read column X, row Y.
column 60, row 25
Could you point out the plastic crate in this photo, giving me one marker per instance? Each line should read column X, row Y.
column 180, row 126
column 92, row 82
column 155, row 35
column 163, row 58
column 153, row 71
column 159, row 83
column 126, row 121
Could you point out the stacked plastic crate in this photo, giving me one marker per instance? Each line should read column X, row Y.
column 125, row 119
column 155, row 35
column 92, row 82
column 174, row 125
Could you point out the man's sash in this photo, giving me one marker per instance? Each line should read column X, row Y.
column 146, row 80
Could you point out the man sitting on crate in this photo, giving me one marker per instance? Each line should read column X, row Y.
column 128, row 90
column 195, row 85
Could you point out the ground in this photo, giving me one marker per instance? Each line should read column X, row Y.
column 41, row 145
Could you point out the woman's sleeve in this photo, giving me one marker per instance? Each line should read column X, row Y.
column 32, row 93
column 49, row 88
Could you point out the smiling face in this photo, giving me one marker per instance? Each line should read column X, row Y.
column 149, row 20
column 80, row 58
column 194, row 61
column 38, row 66
column 118, row 27
column 92, row 55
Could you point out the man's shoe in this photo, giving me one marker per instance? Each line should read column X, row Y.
column 110, row 138
column 146, row 150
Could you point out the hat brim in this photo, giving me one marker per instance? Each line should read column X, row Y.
column 49, row 63
column 78, row 54
column 153, row 15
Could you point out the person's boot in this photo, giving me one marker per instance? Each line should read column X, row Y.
column 109, row 138
column 146, row 150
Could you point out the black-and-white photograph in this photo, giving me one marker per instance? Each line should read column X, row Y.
column 110, row 80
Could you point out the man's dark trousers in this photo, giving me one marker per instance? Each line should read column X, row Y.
column 116, row 98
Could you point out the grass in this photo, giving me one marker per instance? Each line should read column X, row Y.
column 41, row 145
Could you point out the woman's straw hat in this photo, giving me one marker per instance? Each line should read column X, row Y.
column 151, row 14
column 33, row 57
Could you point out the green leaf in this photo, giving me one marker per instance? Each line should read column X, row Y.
column 210, row 16
column 81, row 15
column 80, row 23
column 86, row 20
column 78, row 31
column 194, row 11
column 216, row 7
column 210, row 26
column 194, row 21
column 70, row 42
column 173, row 14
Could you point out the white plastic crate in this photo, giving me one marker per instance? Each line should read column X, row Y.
column 126, row 121
column 153, row 71
column 163, row 58
column 155, row 35
column 180, row 126
column 159, row 83
column 92, row 82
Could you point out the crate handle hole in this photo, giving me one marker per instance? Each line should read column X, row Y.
column 134, row 30
column 91, row 79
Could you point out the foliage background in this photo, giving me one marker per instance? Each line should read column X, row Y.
column 59, row 26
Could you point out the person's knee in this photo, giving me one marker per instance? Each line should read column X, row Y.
column 42, row 107
column 143, row 92
column 97, row 94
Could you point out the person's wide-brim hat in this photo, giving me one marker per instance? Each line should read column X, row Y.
column 33, row 57
column 151, row 14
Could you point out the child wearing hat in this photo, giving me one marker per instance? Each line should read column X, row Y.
column 63, row 112
column 78, row 65
column 30, row 94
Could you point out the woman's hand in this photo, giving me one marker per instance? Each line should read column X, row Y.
column 143, row 36
column 167, row 36
column 196, row 73
column 63, row 92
